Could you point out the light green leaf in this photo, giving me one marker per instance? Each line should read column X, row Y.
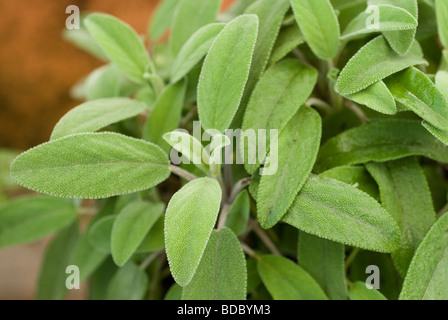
column 324, row 261
column 131, row 226
column 413, row 89
column 99, row 282
column 225, row 72
column 155, row 239
column 319, row 25
column 442, row 21
column 279, row 94
column 191, row 15
column 380, row 141
column 166, row 114
column 162, row 19
column 221, row 275
column 298, row 146
column 289, row 38
column 94, row 115
column 427, row 274
column 91, row 165
column 374, row 62
column 189, row 221
column 239, row 212
column 285, row 280
column 339, row 212
column 174, row 293
column 52, row 276
column 359, row 291
column 100, row 232
column 129, row 283
column 391, row 18
column 122, row 45
column 442, row 82
column 376, row 97
column 194, row 50
column 27, row 219
column 405, row 195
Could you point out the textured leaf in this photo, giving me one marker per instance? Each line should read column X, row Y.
column 162, row 18
column 417, row 93
column 285, row 280
column 190, row 16
column 155, row 239
column 27, row 219
column 289, row 38
column 131, row 226
column 380, row 141
column 91, row 165
column 279, row 94
column 166, row 114
column 194, row 50
column 324, row 261
column 95, row 115
column 225, row 72
column 359, row 291
column 121, row 44
column 298, row 146
column 52, row 276
column 427, row 274
column 391, row 19
column 174, row 293
column 376, row 97
column 405, row 195
column 239, row 212
column 442, row 21
column 129, row 283
column 339, row 212
column 189, row 221
column 374, row 62
column 221, row 275
column 319, row 25
column 100, row 233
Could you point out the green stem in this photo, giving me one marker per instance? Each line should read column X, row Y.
column 182, row 173
column 351, row 258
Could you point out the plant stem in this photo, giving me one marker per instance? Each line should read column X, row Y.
column 182, row 173
column 239, row 186
column 264, row 237
column 249, row 251
column 223, row 216
column 320, row 104
column 351, row 257
column 188, row 117
column 150, row 259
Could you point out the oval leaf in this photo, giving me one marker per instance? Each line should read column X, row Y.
column 376, row 97
column 100, row 234
column 128, row 283
column 239, row 212
column 359, row 291
column 442, row 20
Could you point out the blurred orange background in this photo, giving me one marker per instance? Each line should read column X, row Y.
column 37, row 70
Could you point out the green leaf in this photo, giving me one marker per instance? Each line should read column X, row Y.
column 427, row 274
column 166, row 114
column 221, row 275
column 442, row 21
column 95, row 115
column 376, row 97
column 319, row 25
column 359, row 291
column 324, row 261
column 285, row 280
column 131, row 226
column 288, row 39
column 99, row 282
column 374, row 62
column 52, row 276
column 356, row 176
column 129, row 283
column 391, row 18
column 279, row 94
column 405, row 195
column 121, row 44
column 298, row 146
column 442, row 82
column 174, row 293
column 339, row 212
column 100, row 232
column 27, row 219
column 155, row 239
column 225, row 72
column 380, row 141
column 91, row 165
column 400, row 41
column 189, row 221
column 239, row 212
column 162, row 19
column 417, row 93
column 191, row 15
column 194, row 50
